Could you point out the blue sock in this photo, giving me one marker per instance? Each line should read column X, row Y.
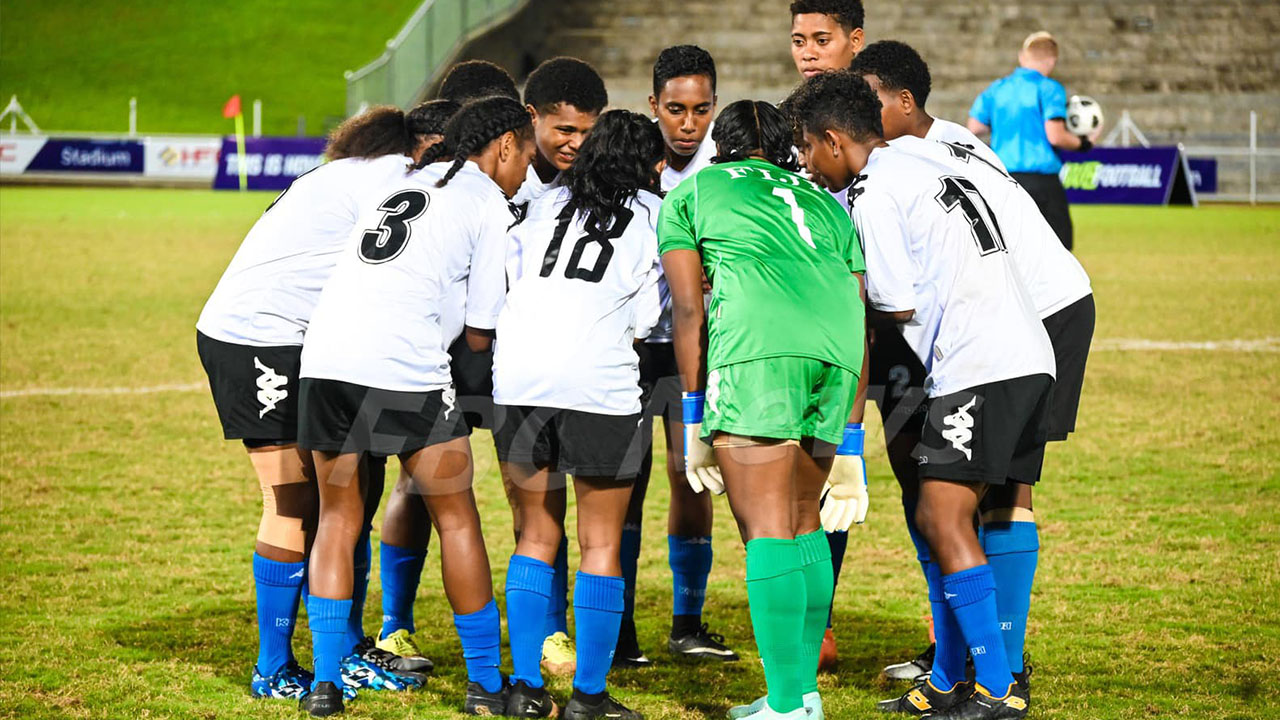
column 401, row 569
column 971, row 594
column 558, row 610
column 949, row 657
column 529, row 583
column 629, row 555
column 1012, row 550
column 597, row 615
column 359, row 588
column 481, row 635
column 278, row 587
column 838, row 541
column 328, row 621
column 690, row 559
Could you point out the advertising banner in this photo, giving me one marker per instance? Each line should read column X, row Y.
column 1127, row 176
column 272, row 162
column 1204, row 174
column 68, row 155
column 192, row 158
column 16, row 152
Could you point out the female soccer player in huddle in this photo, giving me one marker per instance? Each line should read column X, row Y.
column 249, row 337
column 781, row 370
column 375, row 378
column 583, row 273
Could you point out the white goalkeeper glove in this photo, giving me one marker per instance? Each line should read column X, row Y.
column 700, row 467
column 844, row 497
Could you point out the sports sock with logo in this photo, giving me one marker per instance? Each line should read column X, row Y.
column 529, row 583
column 480, row 633
column 1012, row 550
column 690, row 560
column 777, row 599
column 361, row 560
column 557, row 617
column 328, row 621
column 971, row 594
column 819, row 585
column 949, row 656
column 837, row 542
column 401, row 570
column 278, row 587
column 597, row 615
column 629, row 555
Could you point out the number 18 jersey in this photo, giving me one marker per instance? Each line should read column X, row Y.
column 779, row 252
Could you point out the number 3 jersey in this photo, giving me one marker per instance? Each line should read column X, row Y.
column 780, row 253
column 934, row 246
column 580, row 295
column 421, row 261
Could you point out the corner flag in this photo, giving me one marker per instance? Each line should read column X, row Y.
column 232, row 110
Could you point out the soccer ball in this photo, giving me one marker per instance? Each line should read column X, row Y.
column 1084, row 115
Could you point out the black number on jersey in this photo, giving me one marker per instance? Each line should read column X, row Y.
column 959, row 192
column 965, row 153
column 595, row 234
column 387, row 240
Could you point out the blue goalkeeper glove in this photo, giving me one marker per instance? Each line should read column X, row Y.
column 844, row 497
column 700, row 468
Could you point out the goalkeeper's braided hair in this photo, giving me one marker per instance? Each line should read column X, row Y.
column 748, row 127
column 476, row 125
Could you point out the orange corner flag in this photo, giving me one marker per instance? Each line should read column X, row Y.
column 232, row 108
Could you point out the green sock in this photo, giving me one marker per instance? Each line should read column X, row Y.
column 776, row 593
column 819, row 583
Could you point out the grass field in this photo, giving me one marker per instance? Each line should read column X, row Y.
column 74, row 65
column 126, row 524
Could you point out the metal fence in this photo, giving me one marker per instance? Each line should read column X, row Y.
column 434, row 34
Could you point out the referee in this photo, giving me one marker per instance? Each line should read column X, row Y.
column 1025, row 112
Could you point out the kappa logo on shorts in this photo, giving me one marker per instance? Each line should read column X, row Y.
column 271, row 388
column 960, row 423
column 713, row 391
column 450, row 398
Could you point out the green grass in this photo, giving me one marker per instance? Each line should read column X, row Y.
column 75, row 64
column 126, row 523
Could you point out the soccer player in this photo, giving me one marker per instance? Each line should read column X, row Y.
column 406, row 527
column 683, row 101
column 1025, row 113
column 771, row 370
column 583, row 274
column 375, row 378
column 249, row 337
column 825, row 34
column 939, row 266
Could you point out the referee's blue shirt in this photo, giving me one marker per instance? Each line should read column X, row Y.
column 1016, row 108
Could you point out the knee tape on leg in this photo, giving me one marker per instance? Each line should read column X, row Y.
column 289, row 499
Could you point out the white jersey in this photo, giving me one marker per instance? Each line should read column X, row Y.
column 532, row 188
column 1052, row 275
column 933, row 246
column 578, row 300
column 662, row 333
column 949, row 132
column 268, row 292
column 418, row 258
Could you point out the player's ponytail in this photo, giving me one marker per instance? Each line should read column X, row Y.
column 378, row 131
column 754, row 127
column 616, row 161
column 476, row 125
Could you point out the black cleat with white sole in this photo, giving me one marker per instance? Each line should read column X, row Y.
column 323, row 701
column 914, row 670
column 701, row 644
column 602, row 706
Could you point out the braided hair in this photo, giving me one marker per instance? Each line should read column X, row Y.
column 378, row 131
column 430, row 117
column 616, row 161
column 748, row 127
column 472, row 128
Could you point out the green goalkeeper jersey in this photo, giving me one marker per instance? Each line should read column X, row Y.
column 779, row 252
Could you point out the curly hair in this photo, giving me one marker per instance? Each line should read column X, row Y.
column 680, row 61
column 846, row 12
column 565, row 80
column 840, row 101
column 748, row 127
column 476, row 79
column 476, row 125
column 378, row 131
column 430, row 117
column 898, row 66
column 617, row 160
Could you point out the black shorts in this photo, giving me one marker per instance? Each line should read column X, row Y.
column 987, row 434
column 473, row 380
column 254, row 388
column 896, row 383
column 660, row 381
column 572, row 441
column 343, row 417
column 1046, row 189
column 1070, row 330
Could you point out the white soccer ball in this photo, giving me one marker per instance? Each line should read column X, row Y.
column 1084, row 115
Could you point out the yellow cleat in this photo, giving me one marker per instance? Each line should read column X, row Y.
column 559, row 656
column 408, row 657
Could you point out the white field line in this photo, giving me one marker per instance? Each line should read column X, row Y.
column 144, row 390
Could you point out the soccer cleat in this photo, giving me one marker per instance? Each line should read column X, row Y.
column 526, row 701
column 589, row 707
column 408, row 657
column 812, row 705
column 982, row 706
column 827, row 657
column 701, row 645
column 368, row 650
column 767, row 713
column 559, row 656
column 370, row 668
column 627, row 653
column 924, row 699
column 323, row 701
column 916, row 670
column 1024, row 678
column 290, row 682
column 484, row 703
